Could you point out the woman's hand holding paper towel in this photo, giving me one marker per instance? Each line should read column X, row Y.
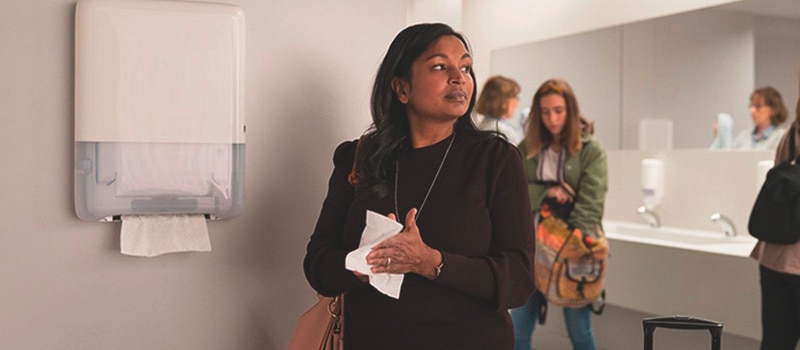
column 405, row 252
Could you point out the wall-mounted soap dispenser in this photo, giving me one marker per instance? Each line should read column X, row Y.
column 652, row 182
column 159, row 109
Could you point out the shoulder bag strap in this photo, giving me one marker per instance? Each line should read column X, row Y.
column 353, row 178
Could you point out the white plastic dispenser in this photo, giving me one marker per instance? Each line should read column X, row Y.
column 652, row 182
column 159, row 109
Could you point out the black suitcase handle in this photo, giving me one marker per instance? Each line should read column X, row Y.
column 681, row 322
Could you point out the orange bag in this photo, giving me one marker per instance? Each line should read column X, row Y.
column 569, row 266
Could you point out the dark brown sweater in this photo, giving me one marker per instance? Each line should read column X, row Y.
column 478, row 215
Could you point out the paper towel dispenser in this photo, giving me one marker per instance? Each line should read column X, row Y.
column 159, row 109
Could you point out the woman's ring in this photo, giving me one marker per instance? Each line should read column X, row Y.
column 388, row 261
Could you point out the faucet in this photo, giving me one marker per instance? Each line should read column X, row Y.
column 649, row 216
column 724, row 223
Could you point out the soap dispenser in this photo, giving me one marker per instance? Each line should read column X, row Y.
column 652, row 182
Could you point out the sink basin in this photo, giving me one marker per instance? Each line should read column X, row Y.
column 681, row 238
column 684, row 271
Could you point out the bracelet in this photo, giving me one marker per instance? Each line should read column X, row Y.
column 437, row 271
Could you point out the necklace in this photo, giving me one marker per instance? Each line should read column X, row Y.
column 397, row 176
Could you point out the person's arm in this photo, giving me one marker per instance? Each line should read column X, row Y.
column 590, row 191
column 324, row 261
column 504, row 276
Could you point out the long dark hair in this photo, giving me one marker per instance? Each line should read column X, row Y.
column 389, row 134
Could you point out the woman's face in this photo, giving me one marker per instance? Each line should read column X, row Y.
column 760, row 112
column 512, row 106
column 440, row 87
column 554, row 113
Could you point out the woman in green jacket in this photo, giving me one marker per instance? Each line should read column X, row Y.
column 563, row 163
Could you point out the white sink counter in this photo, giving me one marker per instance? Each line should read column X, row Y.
column 674, row 237
column 674, row 271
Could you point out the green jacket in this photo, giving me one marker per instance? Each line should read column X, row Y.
column 587, row 173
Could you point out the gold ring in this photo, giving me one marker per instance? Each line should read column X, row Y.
column 388, row 261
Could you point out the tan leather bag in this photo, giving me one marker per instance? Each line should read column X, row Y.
column 321, row 327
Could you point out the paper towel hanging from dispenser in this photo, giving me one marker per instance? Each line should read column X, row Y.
column 159, row 109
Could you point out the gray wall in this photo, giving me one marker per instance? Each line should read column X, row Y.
column 63, row 282
column 778, row 57
column 687, row 68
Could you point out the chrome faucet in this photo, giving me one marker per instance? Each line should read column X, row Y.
column 725, row 223
column 649, row 216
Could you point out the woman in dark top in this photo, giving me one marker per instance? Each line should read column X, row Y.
column 467, row 246
column 779, row 271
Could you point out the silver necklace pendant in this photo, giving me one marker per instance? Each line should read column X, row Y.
column 397, row 176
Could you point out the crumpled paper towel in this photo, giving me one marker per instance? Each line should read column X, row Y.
column 378, row 228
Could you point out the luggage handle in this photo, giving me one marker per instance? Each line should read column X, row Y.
column 681, row 322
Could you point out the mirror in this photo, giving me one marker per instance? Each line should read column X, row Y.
column 685, row 68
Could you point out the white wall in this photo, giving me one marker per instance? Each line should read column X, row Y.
column 777, row 55
column 63, row 282
column 447, row 11
column 522, row 21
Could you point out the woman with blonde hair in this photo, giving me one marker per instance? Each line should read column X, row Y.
column 497, row 103
column 566, row 168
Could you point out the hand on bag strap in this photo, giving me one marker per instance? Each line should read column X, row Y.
column 587, row 239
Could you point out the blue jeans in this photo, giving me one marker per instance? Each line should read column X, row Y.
column 578, row 321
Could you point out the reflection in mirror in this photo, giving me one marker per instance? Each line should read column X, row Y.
column 686, row 68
